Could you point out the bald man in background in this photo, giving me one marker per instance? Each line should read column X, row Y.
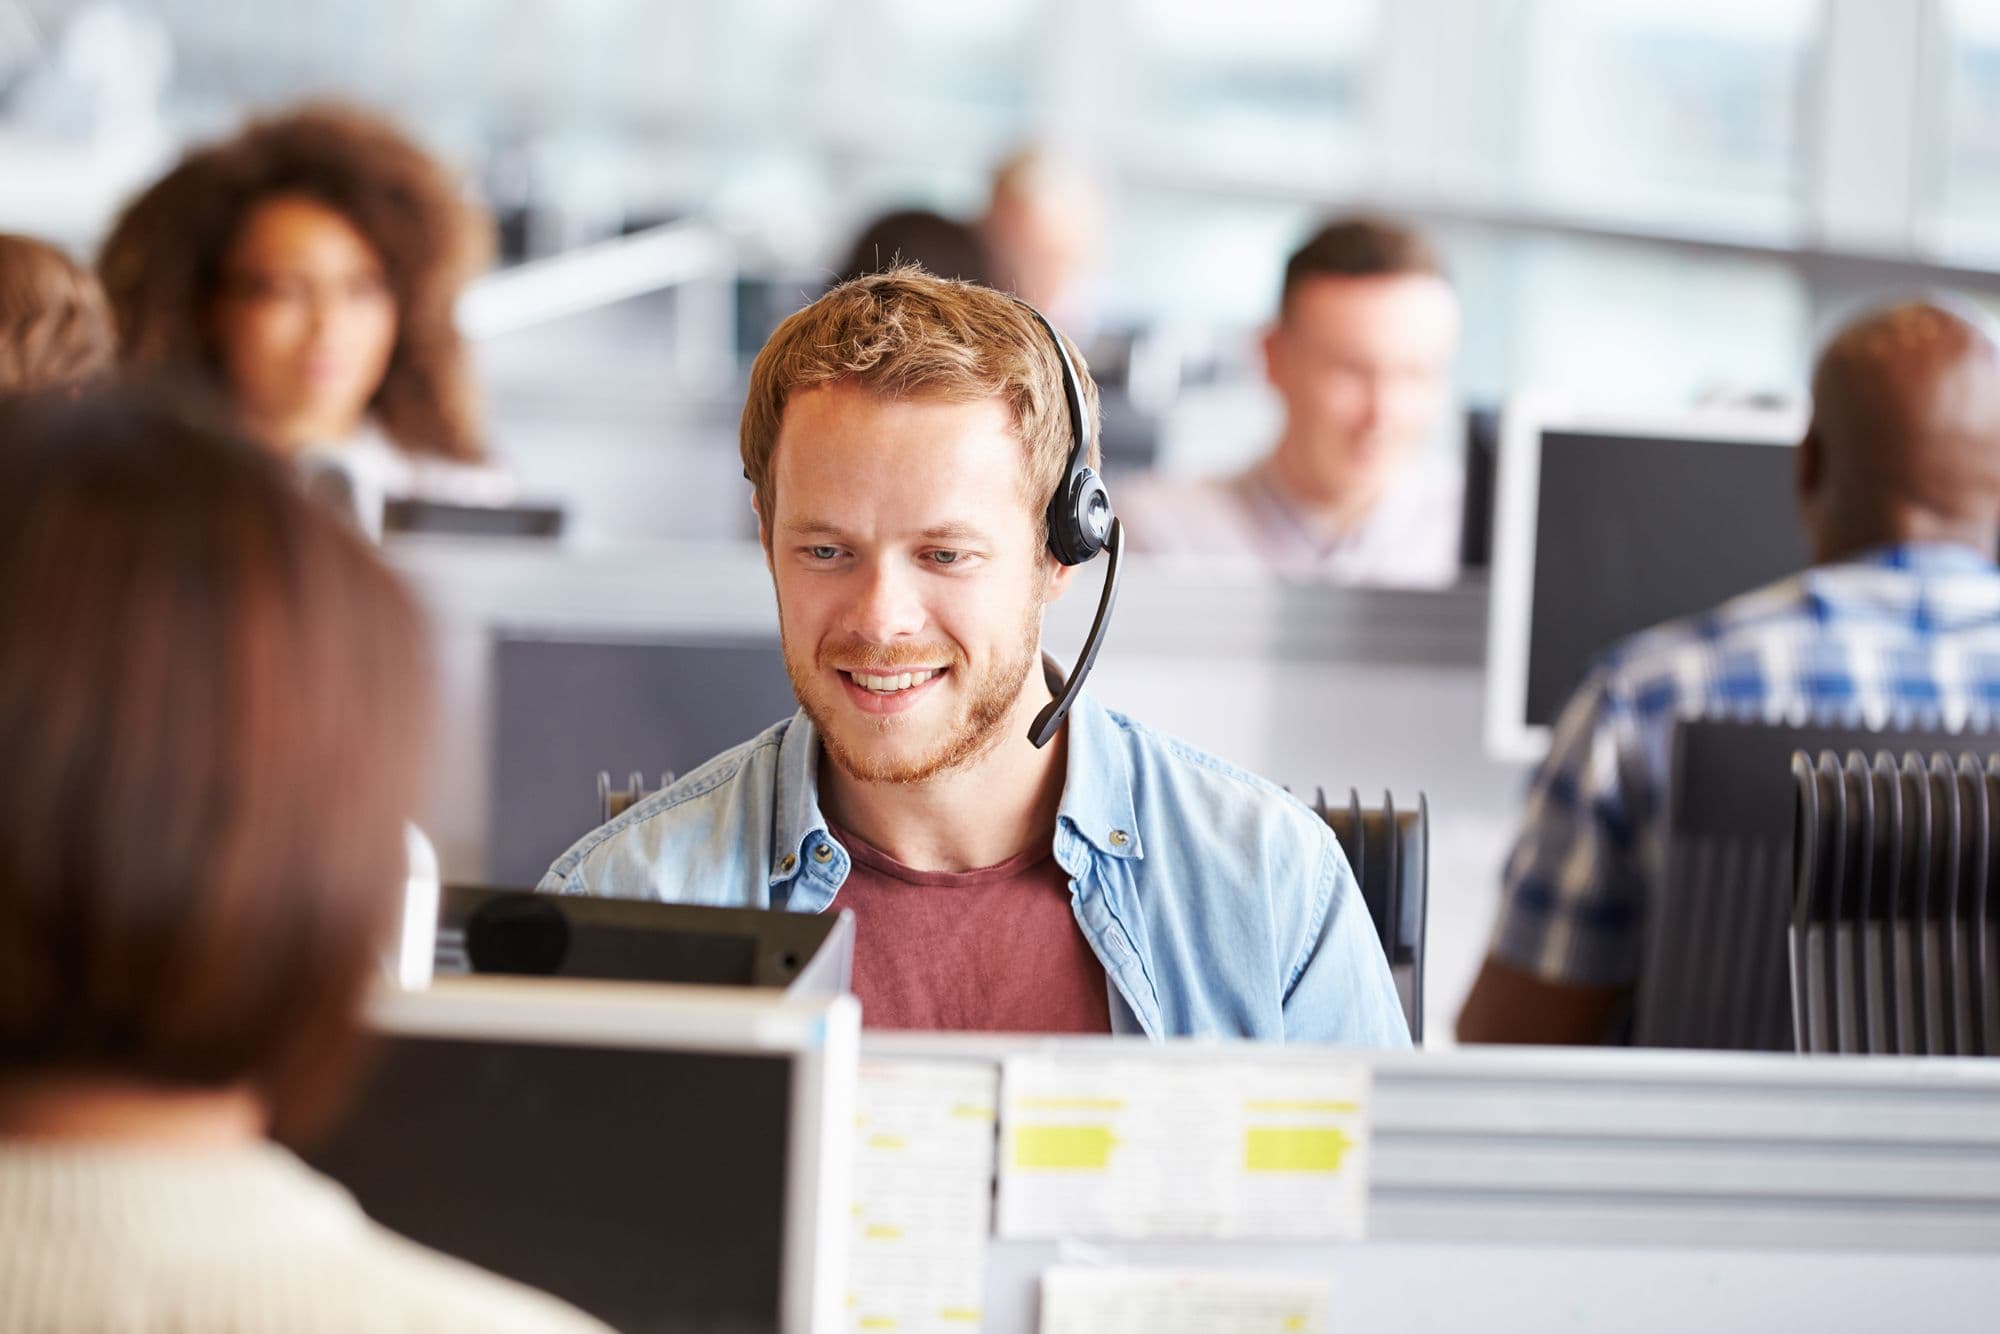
column 1899, row 490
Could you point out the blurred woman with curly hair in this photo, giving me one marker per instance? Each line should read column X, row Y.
column 308, row 267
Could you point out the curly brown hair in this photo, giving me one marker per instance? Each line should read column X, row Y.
column 54, row 328
column 162, row 267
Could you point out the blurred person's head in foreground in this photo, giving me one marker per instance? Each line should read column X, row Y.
column 1044, row 228
column 940, row 245
column 55, row 332
column 1361, row 354
column 1904, row 444
column 308, row 268
column 212, row 696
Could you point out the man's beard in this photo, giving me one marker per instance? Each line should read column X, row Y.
column 971, row 735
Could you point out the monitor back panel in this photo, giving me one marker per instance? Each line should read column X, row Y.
column 645, row 1186
column 566, row 709
column 1633, row 531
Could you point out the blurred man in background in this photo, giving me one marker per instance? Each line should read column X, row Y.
column 1899, row 488
column 1044, row 231
column 1362, row 356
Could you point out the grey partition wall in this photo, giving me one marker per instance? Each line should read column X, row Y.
column 566, row 707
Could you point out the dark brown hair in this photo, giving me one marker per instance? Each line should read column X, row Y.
column 54, row 328
column 211, row 695
column 163, row 264
column 943, row 246
column 1359, row 247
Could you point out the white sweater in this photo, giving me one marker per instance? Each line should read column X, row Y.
column 107, row 1239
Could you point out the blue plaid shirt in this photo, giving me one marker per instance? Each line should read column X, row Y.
column 1904, row 632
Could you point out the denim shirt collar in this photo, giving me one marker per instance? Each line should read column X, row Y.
column 807, row 865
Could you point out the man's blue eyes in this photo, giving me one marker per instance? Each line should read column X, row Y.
column 823, row 553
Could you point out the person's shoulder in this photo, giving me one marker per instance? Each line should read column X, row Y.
column 408, row 1286
column 1177, row 780
column 1173, row 512
column 692, row 812
column 1435, row 481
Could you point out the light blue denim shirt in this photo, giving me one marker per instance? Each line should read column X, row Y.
column 1219, row 905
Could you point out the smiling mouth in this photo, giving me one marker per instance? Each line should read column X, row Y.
column 894, row 682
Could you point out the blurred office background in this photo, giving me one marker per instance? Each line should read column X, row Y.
column 1644, row 202
column 1646, row 205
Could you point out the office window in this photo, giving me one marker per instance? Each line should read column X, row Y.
column 1186, row 257
column 939, row 73
column 1633, row 325
column 1682, row 114
column 1967, row 166
column 1263, row 90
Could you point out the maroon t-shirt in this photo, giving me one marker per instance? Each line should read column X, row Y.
column 995, row 950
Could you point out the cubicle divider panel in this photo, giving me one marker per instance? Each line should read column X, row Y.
column 569, row 706
column 1525, row 1189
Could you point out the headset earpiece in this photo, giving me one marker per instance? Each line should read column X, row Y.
column 1081, row 523
column 1079, row 518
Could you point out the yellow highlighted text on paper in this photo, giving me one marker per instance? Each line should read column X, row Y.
column 1294, row 1149
column 877, row 1322
column 887, row 1142
column 1067, row 1104
column 959, row 1315
column 1063, row 1148
column 883, row 1232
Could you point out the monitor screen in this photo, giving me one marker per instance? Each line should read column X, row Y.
column 1601, row 533
column 646, row 1186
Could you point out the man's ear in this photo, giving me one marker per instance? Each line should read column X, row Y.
column 1058, row 580
column 1273, row 346
column 763, row 533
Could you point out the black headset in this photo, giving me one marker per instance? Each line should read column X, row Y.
column 1081, row 524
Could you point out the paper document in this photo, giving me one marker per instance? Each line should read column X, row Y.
column 1231, row 1147
column 1165, row 1301
column 923, row 1195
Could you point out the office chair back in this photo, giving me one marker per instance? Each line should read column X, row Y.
column 1715, row 968
column 1893, row 935
column 1389, row 852
column 615, row 801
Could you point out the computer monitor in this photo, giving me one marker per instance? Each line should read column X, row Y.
column 1605, row 526
column 411, row 515
column 483, row 929
column 1475, row 524
column 666, row 1158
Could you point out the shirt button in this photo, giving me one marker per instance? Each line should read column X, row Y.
column 823, row 853
column 1119, row 838
column 790, row 860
